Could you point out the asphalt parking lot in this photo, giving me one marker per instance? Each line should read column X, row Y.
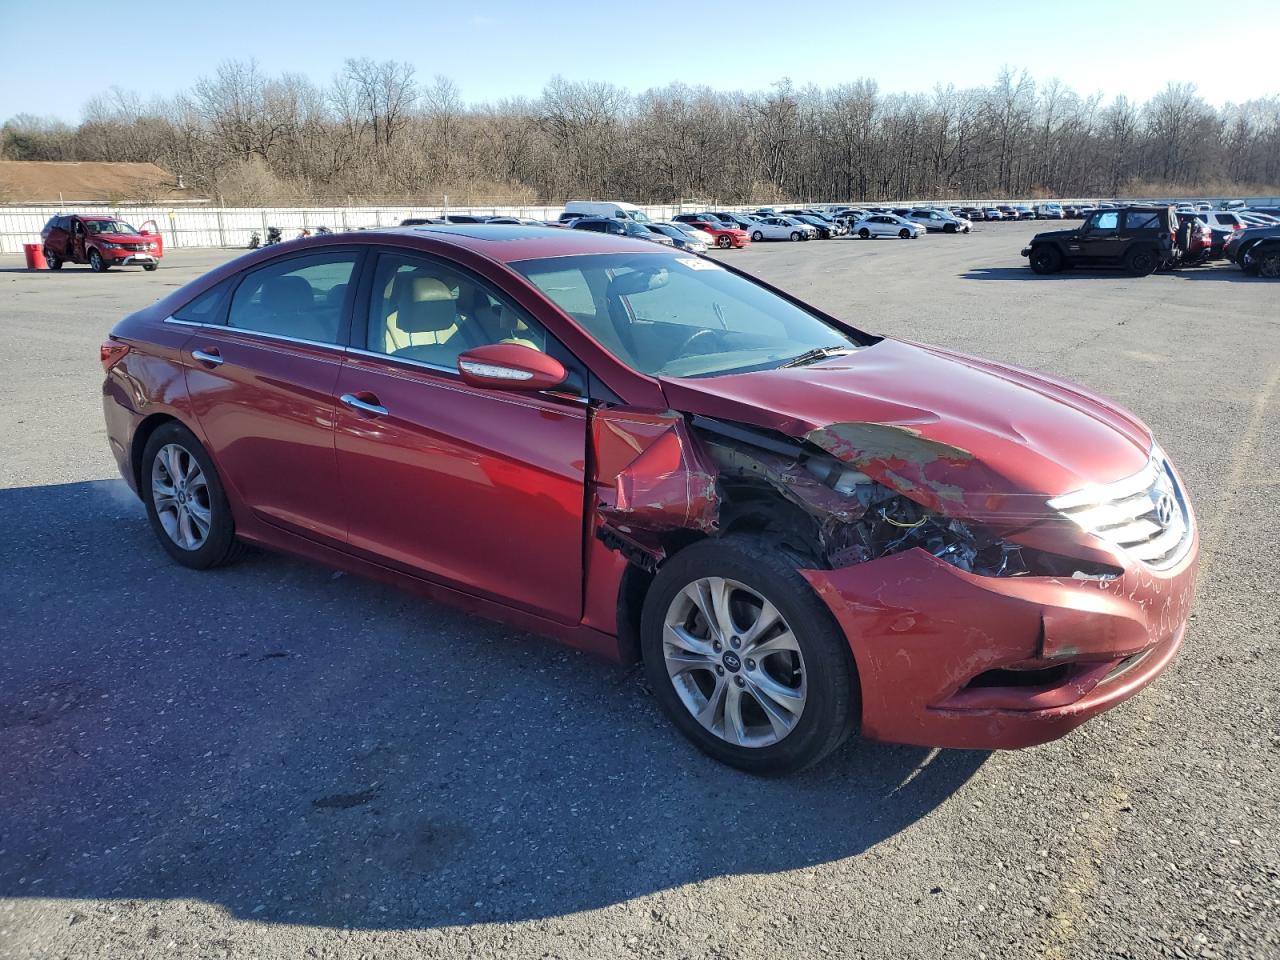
column 275, row 761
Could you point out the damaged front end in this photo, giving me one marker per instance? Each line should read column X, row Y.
column 977, row 615
column 664, row 479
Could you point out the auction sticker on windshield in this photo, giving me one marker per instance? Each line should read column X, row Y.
column 695, row 264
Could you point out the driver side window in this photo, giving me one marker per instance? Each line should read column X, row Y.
column 1104, row 220
column 423, row 310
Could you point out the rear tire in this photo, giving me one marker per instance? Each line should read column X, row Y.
column 757, row 236
column 182, row 460
column 820, row 675
column 1269, row 265
column 1045, row 260
column 52, row 260
column 1142, row 262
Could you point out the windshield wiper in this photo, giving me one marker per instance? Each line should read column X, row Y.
column 817, row 353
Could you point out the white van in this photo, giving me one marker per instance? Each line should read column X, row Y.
column 605, row 208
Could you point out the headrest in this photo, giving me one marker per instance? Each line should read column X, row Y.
column 424, row 305
column 337, row 295
column 287, row 294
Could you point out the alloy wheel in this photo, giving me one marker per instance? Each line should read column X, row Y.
column 180, row 494
column 734, row 662
column 1270, row 266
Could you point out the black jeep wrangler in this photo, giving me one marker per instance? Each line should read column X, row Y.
column 1140, row 239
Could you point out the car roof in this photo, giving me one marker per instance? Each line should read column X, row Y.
column 508, row 242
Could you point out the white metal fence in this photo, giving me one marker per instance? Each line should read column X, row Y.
column 232, row 226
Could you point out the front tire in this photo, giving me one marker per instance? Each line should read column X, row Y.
column 864, row 233
column 1045, row 260
column 904, row 233
column 795, row 235
column 149, row 266
column 185, row 501
column 724, row 243
column 96, row 262
column 745, row 659
column 949, row 228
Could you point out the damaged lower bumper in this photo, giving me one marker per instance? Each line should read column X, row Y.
column 948, row 658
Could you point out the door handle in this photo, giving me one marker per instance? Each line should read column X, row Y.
column 207, row 356
column 355, row 403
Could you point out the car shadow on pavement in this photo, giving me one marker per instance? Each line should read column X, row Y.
column 303, row 747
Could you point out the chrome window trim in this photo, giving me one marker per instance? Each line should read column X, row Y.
column 258, row 333
column 439, row 368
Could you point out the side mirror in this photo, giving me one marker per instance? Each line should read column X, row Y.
column 510, row 366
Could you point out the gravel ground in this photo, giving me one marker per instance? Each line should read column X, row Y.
column 274, row 761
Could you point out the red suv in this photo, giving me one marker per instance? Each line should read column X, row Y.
column 101, row 242
column 800, row 528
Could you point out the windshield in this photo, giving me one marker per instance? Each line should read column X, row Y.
column 678, row 316
column 108, row 226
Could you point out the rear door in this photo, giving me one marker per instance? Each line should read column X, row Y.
column 481, row 490
column 262, row 381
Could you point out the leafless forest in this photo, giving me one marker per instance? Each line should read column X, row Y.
column 378, row 130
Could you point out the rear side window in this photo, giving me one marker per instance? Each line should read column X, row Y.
column 1142, row 220
column 300, row 297
column 206, row 307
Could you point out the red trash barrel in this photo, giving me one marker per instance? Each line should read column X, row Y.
column 35, row 256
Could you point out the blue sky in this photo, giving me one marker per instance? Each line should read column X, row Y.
column 498, row 48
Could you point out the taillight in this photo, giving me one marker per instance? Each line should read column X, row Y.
column 112, row 352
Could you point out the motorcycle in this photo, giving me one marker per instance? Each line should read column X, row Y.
column 255, row 240
column 273, row 236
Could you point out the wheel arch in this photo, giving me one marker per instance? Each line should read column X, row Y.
column 141, row 434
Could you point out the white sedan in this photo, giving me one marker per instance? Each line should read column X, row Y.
column 694, row 233
column 886, row 225
column 782, row 228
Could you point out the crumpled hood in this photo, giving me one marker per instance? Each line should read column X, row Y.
column 123, row 238
column 963, row 436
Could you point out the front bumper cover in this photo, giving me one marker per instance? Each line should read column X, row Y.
column 922, row 631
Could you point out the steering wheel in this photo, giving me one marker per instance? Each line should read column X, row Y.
column 702, row 335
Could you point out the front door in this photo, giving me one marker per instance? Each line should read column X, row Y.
column 482, row 490
column 1100, row 239
column 263, row 383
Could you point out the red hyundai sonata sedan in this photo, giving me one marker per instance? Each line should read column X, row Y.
column 801, row 528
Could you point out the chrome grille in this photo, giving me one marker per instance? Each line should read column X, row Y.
column 1145, row 515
